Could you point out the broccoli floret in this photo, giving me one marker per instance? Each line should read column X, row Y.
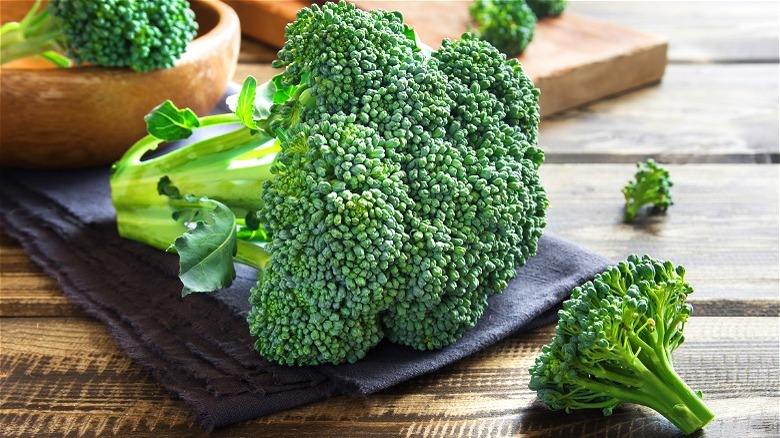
column 651, row 186
column 396, row 188
column 613, row 344
column 547, row 8
column 142, row 35
column 509, row 25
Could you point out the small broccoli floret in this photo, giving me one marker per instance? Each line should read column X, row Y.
column 613, row 344
column 547, row 8
column 402, row 190
column 142, row 35
column 651, row 186
column 509, row 25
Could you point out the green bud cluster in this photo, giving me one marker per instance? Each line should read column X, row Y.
column 408, row 194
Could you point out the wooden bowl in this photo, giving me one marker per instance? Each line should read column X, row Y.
column 89, row 116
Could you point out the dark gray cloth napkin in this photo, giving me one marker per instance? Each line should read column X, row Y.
column 199, row 347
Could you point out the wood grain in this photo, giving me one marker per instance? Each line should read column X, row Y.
column 698, row 113
column 24, row 289
column 65, row 377
column 699, row 31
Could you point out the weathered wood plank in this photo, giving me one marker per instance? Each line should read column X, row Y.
column 722, row 228
column 65, row 376
column 699, row 31
column 698, row 113
column 24, row 289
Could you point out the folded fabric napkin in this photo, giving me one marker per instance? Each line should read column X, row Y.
column 199, row 347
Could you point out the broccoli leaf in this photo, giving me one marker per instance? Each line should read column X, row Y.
column 169, row 123
column 245, row 105
column 253, row 102
column 282, row 92
column 412, row 34
column 206, row 251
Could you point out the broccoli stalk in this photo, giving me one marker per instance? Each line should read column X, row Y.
column 651, row 186
column 36, row 34
column 213, row 184
column 111, row 33
column 614, row 342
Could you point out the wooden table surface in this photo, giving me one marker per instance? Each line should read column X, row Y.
column 713, row 119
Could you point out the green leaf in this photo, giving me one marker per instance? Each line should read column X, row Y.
column 245, row 106
column 420, row 46
column 255, row 98
column 264, row 99
column 169, row 123
column 282, row 92
column 206, row 251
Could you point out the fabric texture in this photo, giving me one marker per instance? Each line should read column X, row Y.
column 199, row 347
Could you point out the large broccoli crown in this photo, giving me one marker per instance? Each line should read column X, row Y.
column 143, row 35
column 614, row 342
column 406, row 191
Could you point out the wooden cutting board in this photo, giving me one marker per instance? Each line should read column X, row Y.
column 573, row 59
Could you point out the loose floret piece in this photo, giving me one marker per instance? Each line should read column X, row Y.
column 547, row 8
column 142, row 35
column 614, row 341
column 651, row 186
column 509, row 25
column 403, row 192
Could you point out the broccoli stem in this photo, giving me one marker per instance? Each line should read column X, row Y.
column 679, row 403
column 229, row 168
column 36, row 34
column 673, row 398
column 663, row 391
column 252, row 255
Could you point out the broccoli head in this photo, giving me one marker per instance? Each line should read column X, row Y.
column 396, row 187
column 614, row 341
column 547, row 8
column 142, row 35
column 509, row 25
column 651, row 186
